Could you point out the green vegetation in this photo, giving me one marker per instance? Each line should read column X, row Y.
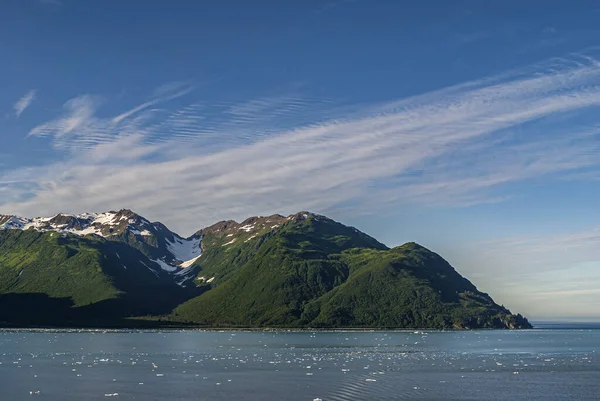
column 302, row 271
column 318, row 273
column 47, row 263
column 51, row 279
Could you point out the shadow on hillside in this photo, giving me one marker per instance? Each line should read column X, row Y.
column 40, row 310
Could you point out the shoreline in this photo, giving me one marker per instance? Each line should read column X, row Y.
column 249, row 329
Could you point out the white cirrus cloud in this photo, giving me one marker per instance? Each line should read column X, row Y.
column 204, row 162
column 554, row 275
column 24, row 102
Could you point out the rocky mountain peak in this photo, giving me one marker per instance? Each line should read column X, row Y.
column 6, row 221
column 66, row 221
column 251, row 225
column 304, row 215
column 102, row 224
column 249, row 268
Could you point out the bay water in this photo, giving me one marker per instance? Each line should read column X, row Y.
column 549, row 364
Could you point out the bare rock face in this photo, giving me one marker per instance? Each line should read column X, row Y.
column 251, row 224
column 65, row 221
column 230, row 231
column 4, row 218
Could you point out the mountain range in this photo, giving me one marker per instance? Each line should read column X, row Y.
column 117, row 269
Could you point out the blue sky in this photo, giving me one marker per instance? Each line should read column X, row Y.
column 471, row 127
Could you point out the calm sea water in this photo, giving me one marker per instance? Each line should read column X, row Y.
column 196, row 365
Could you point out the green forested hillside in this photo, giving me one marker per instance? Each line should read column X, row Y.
column 314, row 272
column 32, row 261
column 52, row 279
column 304, row 270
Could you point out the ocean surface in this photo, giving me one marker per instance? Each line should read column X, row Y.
column 548, row 364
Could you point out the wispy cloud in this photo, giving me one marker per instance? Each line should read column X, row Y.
column 553, row 275
column 207, row 161
column 80, row 129
column 77, row 117
column 162, row 94
column 544, row 249
column 24, row 102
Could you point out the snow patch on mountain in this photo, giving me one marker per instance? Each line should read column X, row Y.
column 188, row 263
column 184, row 275
column 103, row 218
column 13, row 223
column 249, row 238
column 164, row 265
column 247, row 227
column 187, row 251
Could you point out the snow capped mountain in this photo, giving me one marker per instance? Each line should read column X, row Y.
column 101, row 224
column 163, row 249
column 167, row 249
column 267, row 270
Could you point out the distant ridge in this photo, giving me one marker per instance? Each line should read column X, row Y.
column 567, row 325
